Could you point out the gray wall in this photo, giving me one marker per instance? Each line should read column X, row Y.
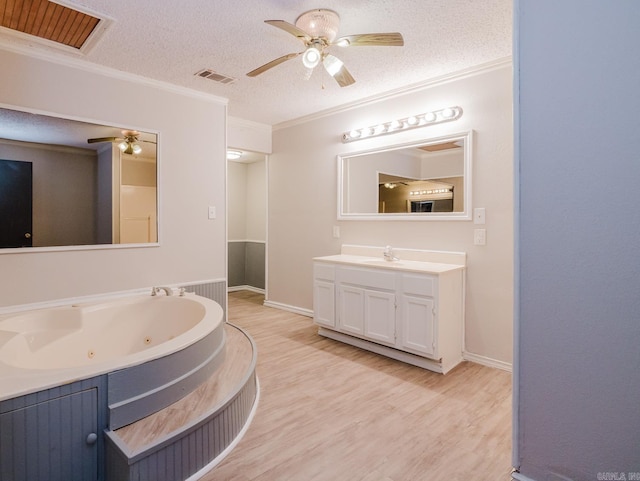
column 246, row 264
column 578, row 297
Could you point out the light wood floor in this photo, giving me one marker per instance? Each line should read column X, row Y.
column 333, row 412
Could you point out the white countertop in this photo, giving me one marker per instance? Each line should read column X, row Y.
column 380, row 263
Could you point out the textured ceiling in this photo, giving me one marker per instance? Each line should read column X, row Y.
column 171, row 41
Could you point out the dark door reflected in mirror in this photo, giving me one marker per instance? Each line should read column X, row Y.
column 87, row 184
column 15, row 203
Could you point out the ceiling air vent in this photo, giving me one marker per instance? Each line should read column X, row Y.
column 216, row 77
column 52, row 23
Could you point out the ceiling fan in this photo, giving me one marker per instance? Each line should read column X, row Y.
column 317, row 29
column 128, row 142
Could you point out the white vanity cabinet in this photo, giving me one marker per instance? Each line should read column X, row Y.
column 412, row 314
column 365, row 301
column 417, row 324
column 324, row 295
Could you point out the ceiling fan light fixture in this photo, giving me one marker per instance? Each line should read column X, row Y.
column 332, row 64
column 136, row 149
column 123, row 145
column 320, row 22
column 318, row 29
column 311, row 57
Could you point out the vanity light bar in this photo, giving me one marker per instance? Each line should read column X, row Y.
column 428, row 192
column 408, row 123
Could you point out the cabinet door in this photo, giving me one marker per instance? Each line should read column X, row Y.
column 418, row 324
column 54, row 440
column 351, row 309
column 324, row 308
column 380, row 316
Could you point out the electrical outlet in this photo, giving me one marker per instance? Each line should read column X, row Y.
column 479, row 237
column 336, row 232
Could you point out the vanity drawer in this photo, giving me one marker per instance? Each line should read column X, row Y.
column 324, row 271
column 418, row 285
column 373, row 278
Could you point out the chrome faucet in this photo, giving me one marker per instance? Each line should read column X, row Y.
column 388, row 254
column 167, row 291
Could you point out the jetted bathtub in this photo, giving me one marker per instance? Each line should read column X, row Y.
column 72, row 376
column 44, row 348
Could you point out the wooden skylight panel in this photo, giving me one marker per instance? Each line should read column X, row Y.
column 52, row 22
column 438, row 147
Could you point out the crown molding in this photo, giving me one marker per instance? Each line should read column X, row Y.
column 87, row 66
column 433, row 82
column 66, row 149
column 238, row 122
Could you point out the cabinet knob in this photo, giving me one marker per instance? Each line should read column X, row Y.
column 92, row 438
column 27, row 235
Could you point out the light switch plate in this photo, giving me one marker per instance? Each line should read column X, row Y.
column 479, row 237
column 479, row 215
column 336, row 232
column 212, row 212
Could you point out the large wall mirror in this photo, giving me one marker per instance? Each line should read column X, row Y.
column 71, row 184
column 423, row 180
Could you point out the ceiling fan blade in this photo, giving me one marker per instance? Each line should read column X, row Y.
column 344, row 78
column 393, row 39
column 337, row 70
column 103, row 139
column 272, row 64
column 290, row 28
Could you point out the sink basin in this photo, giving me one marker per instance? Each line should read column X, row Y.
column 383, row 263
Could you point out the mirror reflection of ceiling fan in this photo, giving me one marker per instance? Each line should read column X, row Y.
column 317, row 29
column 129, row 142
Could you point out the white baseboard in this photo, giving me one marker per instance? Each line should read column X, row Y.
column 246, row 288
column 286, row 307
column 487, row 361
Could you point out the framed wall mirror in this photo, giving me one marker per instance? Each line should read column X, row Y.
column 423, row 180
column 69, row 184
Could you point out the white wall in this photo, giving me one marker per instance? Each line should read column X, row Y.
column 247, row 135
column 303, row 200
column 256, row 208
column 247, row 211
column 191, row 151
column 578, row 368
column 237, row 201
